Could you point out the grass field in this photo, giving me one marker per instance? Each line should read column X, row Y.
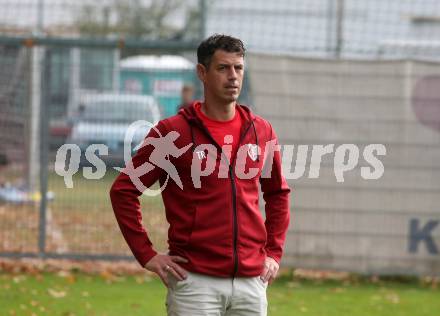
column 79, row 219
column 75, row 293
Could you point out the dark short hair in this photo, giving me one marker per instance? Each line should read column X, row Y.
column 209, row 46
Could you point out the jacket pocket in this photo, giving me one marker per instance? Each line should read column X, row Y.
column 182, row 226
column 211, row 229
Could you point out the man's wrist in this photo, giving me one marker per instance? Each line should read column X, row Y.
column 151, row 254
column 274, row 258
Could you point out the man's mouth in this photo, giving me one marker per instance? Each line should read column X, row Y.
column 232, row 87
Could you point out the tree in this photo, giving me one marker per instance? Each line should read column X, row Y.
column 135, row 19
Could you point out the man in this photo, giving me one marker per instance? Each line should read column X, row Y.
column 222, row 255
column 187, row 95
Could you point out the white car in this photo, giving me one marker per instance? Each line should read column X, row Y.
column 105, row 119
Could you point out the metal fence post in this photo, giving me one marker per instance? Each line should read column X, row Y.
column 44, row 148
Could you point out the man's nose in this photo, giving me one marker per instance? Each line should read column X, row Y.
column 232, row 74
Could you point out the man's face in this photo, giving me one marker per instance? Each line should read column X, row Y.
column 224, row 76
column 187, row 95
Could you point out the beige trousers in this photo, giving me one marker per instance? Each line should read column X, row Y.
column 205, row 295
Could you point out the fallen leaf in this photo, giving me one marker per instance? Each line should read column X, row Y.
column 56, row 294
column 293, row 284
column 337, row 290
column 393, row 297
column 108, row 276
column 19, row 278
column 63, row 274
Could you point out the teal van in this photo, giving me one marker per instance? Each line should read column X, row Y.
column 159, row 76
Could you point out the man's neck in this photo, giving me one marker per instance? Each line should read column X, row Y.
column 218, row 111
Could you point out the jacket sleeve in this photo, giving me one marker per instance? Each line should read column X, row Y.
column 124, row 196
column 276, row 194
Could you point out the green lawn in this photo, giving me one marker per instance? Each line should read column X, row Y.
column 79, row 219
column 81, row 294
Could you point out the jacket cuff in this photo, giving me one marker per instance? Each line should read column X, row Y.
column 273, row 256
column 146, row 256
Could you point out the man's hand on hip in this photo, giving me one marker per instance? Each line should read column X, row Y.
column 270, row 270
column 161, row 264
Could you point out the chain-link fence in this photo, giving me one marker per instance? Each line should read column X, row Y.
column 80, row 72
column 66, row 79
column 332, row 28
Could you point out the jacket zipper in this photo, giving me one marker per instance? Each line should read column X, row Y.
column 234, row 201
column 234, row 193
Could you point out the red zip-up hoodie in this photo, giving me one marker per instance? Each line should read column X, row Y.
column 216, row 224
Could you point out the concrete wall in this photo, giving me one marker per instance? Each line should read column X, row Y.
column 388, row 225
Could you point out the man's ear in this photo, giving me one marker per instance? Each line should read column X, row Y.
column 201, row 72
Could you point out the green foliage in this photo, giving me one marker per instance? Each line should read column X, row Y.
column 135, row 19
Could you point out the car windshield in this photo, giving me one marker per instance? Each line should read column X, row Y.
column 117, row 112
